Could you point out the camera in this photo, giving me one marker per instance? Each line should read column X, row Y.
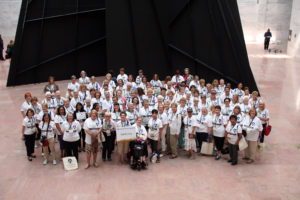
column 43, row 139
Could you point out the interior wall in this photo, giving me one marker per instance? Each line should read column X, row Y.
column 259, row 15
column 294, row 44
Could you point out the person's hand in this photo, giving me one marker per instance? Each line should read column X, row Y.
column 236, row 143
column 226, row 141
column 23, row 137
column 177, row 136
column 158, row 139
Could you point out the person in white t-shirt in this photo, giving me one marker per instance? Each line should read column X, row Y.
column 203, row 126
column 233, row 134
column 145, row 113
column 108, row 130
column 189, row 133
column 29, row 131
column 177, row 78
column 154, row 134
column 45, row 110
column 47, row 137
column 173, row 130
column 50, row 102
column 83, row 78
column 253, row 128
column 139, row 78
column 219, row 122
column 122, row 76
column 156, row 84
column 263, row 115
column 27, row 104
column 123, row 146
column 70, row 131
column 93, row 128
column 59, row 99
column 72, row 86
column 59, row 119
column 93, row 84
column 164, row 119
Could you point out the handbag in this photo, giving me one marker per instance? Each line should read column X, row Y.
column 207, row 148
column 242, row 144
column 267, row 129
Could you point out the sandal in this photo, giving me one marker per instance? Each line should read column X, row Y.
column 87, row 166
column 29, row 158
column 33, row 156
column 95, row 165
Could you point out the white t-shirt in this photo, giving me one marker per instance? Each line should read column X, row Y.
column 84, row 95
column 154, row 126
column 146, row 114
column 58, row 119
column 85, row 80
column 203, row 123
column 107, row 105
column 252, row 127
column 178, row 79
column 131, row 116
column 25, row 106
column 232, row 132
column 163, row 118
column 74, row 101
column 108, row 126
column 263, row 114
column 50, row 132
column 95, row 86
column 219, row 123
column 115, row 116
column 245, row 108
column 37, row 109
column 29, row 125
column 71, row 131
column 41, row 114
column 73, row 87
column 141, row 132
column 93, row 126
column 70, row 109
column 51, row 104
column 174, row 120
column 124, row 77
column 59, row 102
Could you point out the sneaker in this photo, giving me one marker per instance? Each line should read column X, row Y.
column 229, row 160
column 234, row 163
column 218, row 157
column 45, row 162
column 161, row 155
column 250, row 161
column 54, row 162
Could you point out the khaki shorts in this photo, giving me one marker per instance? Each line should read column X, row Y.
column 92, row 148
column 123, row 147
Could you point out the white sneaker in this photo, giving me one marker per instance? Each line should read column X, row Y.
column 161, row 155
column 36, row 146
column 45, row 162
column 54, row 162
column 43, row 154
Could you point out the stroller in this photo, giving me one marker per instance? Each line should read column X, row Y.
column 137, row 154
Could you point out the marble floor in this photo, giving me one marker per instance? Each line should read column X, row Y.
column 274, row 175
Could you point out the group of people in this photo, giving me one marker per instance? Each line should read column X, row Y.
column 9, row 49
column 181, row 112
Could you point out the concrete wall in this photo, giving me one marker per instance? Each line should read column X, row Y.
column 9, row 15
column 294, row 44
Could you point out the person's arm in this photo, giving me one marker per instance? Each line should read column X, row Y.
column 23, row 130
column 58, row 128
column 23, row 114
column 226, row 138
column 239, row 138
column 159, row 134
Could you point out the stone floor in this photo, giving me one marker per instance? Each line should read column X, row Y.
column 274, row 175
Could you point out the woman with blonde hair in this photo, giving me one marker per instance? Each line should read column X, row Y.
column 254, row 101
column 263, row 115
column 253, row 128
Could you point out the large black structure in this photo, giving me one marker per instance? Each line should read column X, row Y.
column 62, row 37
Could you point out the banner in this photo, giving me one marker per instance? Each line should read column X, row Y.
column 126, row 133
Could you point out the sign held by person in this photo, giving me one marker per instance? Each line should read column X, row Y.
column 126, row 134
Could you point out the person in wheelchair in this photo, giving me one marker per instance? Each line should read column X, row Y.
column 141, row 140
